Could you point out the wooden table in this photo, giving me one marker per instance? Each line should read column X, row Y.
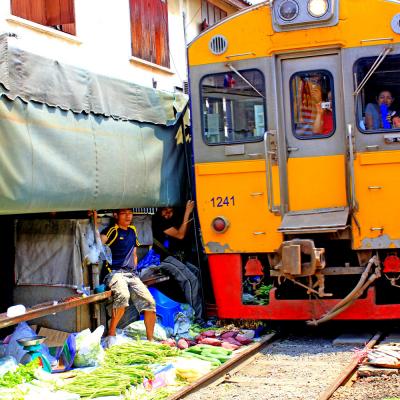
column 46, row 309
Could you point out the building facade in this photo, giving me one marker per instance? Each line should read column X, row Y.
column 141, row 41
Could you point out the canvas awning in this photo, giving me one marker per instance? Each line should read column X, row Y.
column 71, row 140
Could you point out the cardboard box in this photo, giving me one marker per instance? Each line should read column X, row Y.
column 54, row 338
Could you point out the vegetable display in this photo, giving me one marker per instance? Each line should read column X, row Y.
column 23, row 374
column 108, row 381
column 138, row 353
column 124, row 366
column 215, row 355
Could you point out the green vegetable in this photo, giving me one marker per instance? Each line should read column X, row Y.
column 214, row 361
column 108, row 381
column 24, row 373
column 220, row 357
column 194, row 349
column 263, row 294
column 138, row 353
column 214, row 349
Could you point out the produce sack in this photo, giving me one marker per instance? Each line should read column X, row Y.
column 138, row 330
column 89, row 352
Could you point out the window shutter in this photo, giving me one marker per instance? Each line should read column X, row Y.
column 59, row 12
column 69, row 28
column 161, row 37
column 140, row 38
column 149, row 29
column 33, row 10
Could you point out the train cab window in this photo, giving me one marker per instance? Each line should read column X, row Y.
column 378, row 102
column 312, row 104
column 233, row 107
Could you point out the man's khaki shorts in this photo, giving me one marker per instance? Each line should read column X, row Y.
column 125, row 286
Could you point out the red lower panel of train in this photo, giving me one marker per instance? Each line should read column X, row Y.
column 227, row 280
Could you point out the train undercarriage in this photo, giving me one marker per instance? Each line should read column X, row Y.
column 314, row 279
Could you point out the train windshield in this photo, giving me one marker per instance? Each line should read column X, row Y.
column 233, row 108
column 313, row 105
column 378, row 106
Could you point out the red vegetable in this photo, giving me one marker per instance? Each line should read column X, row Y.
column 169, row 342
column 182, row 344
column 231, row 340
column 211, row 341
column 228, row 334
column 243, row 339
column 229, row 346
column 208, row 333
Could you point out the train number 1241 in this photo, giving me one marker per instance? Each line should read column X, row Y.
column 223, row 201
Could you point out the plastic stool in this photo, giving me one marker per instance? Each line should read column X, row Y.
column 166, row 308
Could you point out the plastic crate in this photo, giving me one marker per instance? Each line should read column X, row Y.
column 166, row 308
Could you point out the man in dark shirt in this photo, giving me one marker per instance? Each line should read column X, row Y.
column 167, row 228
column 122, row 278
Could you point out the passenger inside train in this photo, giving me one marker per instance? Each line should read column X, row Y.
column 323, row 122
column 378, row 115
column 312, row 104
column 378, row 107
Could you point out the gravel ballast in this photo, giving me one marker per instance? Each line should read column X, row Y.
column 297, row 368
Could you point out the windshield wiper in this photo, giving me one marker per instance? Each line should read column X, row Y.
column 373, row 68
column 232, row 68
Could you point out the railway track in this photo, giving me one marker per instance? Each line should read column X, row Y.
column 291, row 367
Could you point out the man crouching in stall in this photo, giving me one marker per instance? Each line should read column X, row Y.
column 122, row 278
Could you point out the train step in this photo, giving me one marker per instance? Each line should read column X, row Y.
column 319, row 220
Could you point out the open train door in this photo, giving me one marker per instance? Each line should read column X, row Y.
column 312, row 144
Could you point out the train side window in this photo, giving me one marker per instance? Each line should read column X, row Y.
column 378, row 105
column 312, row 104
column 233, row 110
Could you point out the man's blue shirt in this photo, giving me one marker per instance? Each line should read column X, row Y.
column 121, row 242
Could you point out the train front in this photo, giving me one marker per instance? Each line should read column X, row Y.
column 296, row 136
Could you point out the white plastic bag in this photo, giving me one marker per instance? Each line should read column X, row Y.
column 138, row 329
column 7, row 363
column 89, row 352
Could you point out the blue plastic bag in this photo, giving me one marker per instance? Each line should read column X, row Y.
column 66, row 353
column 151, row 258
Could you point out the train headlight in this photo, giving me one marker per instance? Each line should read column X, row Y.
column 317, row 8
column 289, row 10
column 219, row 224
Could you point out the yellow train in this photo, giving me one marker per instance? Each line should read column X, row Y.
column 296, row 115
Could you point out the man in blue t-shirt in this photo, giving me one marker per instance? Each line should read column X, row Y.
column 122, row 278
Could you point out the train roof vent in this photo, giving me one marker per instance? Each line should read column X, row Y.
column 218, row 45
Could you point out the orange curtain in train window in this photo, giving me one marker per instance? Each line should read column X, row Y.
column 304, row 101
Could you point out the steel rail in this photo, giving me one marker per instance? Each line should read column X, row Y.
column 229, row 365
column 348, row 371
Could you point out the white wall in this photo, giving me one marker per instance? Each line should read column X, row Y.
column 103, row 41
